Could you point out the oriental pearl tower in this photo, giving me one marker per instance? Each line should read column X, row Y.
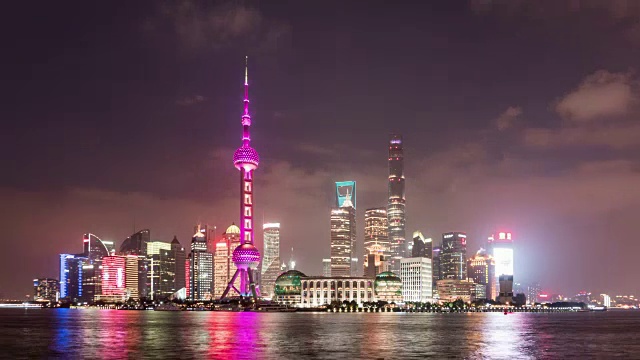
column 246, row 257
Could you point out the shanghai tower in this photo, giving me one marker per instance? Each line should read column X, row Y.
column 396, row 204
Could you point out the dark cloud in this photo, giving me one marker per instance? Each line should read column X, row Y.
column 190, row 100
column 218, row 25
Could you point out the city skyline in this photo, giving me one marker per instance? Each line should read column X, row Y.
column 495, row 139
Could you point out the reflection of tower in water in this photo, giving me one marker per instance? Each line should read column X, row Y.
column 246, row 257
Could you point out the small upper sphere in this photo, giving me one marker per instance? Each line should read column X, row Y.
column 246, row 256
column 246, row 157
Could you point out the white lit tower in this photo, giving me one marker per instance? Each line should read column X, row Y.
column 246, row 257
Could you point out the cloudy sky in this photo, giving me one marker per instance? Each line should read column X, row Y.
column 517, row 115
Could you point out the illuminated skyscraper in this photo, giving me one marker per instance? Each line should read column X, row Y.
column 271, row 259
column 376, row 229
column 345, row 189
column 343, row 239
column 224, row 268
column 481, row 269
column 179, row 257
column 453, row 257
column 160, row 269
column 396, row 205
column 417, row 280
column 201, row 271
column 114, row 276
column 46, row 289
column 136, row 244
column 501, row 247
column 94, row 248
column 131, row 280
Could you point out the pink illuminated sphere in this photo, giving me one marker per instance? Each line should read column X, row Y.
column 246, row 157
column 246, row 256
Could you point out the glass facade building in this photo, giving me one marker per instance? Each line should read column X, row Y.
column 270, row 265
column 453, row 257
column 396, row 205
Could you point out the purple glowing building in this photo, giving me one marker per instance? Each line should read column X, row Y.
column 245, row 256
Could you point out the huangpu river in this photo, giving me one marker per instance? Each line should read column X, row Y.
column 114, row 334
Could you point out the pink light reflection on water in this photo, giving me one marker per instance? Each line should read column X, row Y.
column 235, row 335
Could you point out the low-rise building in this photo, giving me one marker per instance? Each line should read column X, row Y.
column 452, row 290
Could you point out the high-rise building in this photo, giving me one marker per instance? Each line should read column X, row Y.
column 326, row 267
column 435, row 262
column 136, row 244
column 270, row 269
column 201, row 270
column 69, row 284
column 131, row 271
column 396, row 206
column 46, row 289
column 94, row 248
column 418, row 248
column 501, row 248
column 177, row 257
column 376, row 229
column 481, row 269
column 161, row 267
column 453, row 257
column 224, row 268
column 376, row 261
column 416, row 278
column 209, row 232
column 343, row 239
column 246, row 256
column 114, row 275
column 344, row 190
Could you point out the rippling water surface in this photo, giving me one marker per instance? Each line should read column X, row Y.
column 112, row 334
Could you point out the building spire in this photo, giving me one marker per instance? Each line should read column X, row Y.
column 246, row 118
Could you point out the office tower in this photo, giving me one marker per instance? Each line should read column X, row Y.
column 376, row 229
column 114, row 275
column 201, row 271
column 270, row 259
column 69, row 278
column 94, row 248
column 375, row 262
column 417, row 280
column 179, row 256
column 396, row 205
column 246, row 256
column 481, row 269
column 159, row 261
column 326, row 267
column 136, row 244
column 501, row 248
column 131, row 280
column 453, row 257
column 435, row 262
column 344, row 190
column 46, row 289
column 91, row 270
column 209, row 232
column 343, row 238
column 187, row 275
column 418, row 248
column 606, row 300
column 224, row 268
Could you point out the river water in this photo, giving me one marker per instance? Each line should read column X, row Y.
column 113, row 334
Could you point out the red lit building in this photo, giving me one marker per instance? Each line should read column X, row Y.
column 113, row 275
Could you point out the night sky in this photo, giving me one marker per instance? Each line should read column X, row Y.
column 516, row 115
